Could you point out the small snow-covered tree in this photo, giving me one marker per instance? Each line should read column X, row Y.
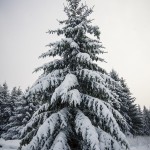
column 78, row 110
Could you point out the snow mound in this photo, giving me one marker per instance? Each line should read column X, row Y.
column 9, row 144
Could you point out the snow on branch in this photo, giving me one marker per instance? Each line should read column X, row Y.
column 74, row 97
column 71, row 42
column 51, row 80
column 119, row 118
column 60, row 142
column 52, row 52
column 59, row 47
column 84, row 57
column 35, row 122
column 69, row 82
column 107, row 141
column 98, row 77
column 99, row 108
column 55, row 122
column 43, row 110
column 87, row 130
column 55, row 64
column 97, row 83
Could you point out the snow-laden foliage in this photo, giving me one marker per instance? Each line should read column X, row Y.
column 106, row 114
column 99, row 85
column 87, row 131
column 60, row 142
column 12, row 127
column 51, row 126
column 5, row 107
column 80, row 109
column 107, row 142
column 52, row 80
column 65, row 93
column 128, row 108
column 21, row 114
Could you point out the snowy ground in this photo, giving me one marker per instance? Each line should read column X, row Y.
column 9, row 144
column 137, row 143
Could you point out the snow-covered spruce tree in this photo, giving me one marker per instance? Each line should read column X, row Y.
column 23, row 110
column 9, row 134
column 78, row 111
column 5, row 106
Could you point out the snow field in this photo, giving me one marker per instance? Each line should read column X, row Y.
column 9, row 144
column 139, row 143
column 136, row 143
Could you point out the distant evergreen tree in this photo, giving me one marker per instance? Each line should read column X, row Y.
column 139, row 110
column 1, row 110
column 128, row 108
column 19, row 91
column 146, row 121
column 11, row 126
column 14, row 98
column 140, row 120
column 135, row 119
column 23, row 109
column 5, row 106
column 78, row 110
column 123, row 96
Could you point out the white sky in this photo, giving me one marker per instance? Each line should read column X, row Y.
column 125, row 28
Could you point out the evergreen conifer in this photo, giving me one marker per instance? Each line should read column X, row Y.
column 128, row 108
column 78, row 110
column 146, row 121
column 5, row 107
column 22, row 112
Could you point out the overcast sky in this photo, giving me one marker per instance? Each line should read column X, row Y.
column 125, row 32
